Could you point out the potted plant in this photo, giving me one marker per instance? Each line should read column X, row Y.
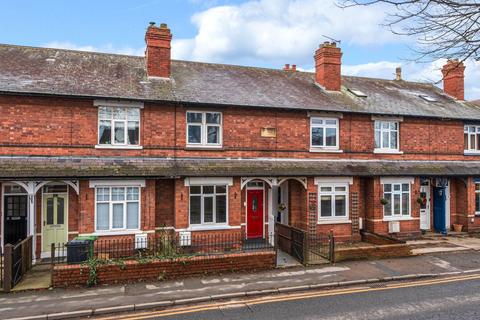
column 421, row 200
column 383, row 201
column 457, row 227
column 281, row 207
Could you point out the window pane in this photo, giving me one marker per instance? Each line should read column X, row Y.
column 132, row 193
column 104, row 113
column 340, row 206
column 195, row 205
column 207, row 189
column 326, row 206
column 317, row 121
column 60, row 211
column 119, row 132
column 396, row 187
column 195, row 190
column 50, row 211
column 221, row 189
column 105, row 132
column 377, row 139
column 317, row 136
column 103, row 194
column 213, row 135
column 331, row 137
column 213, row 118
column 221, row 209
column 387, row 187
column 132, row 215
column 102, row 216
column 405, row 204
column 396, row 204
column 393, row 140
column 388, row 206
column 472, row 141
column 378, row 125
column 385, row 139
column 118, row 194
column 133, row 132
column 385, row 125
column 194, row 134
column 393, row 126
column 117, row 216
column 194, row 117
column 208, row 209
column 405, row 186
column 119, row 114
column 325, row 189
column 331, row 122
column 477, row 202
column 477, row 186
column 465, row 141
column 478, row 142
column 133, row 114
column 340, row 189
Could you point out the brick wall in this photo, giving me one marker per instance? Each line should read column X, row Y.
column 61, row 126
column 77, row 275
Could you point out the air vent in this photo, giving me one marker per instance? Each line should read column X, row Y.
column 358, row 93
column 428, row 98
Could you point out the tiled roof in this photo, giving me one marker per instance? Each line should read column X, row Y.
column 63, row 72
column 94, row 167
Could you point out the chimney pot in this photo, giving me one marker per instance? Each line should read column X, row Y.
column 454, row 78
column 294, row 67
column 398, row 73
column 328, row 65
column 158, row 51
column 286, row 67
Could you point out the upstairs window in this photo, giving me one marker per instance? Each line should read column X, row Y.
column 204, row 129
column 208, row 205
column 471, row 138
column 386, row 135
column 323, row 133
column 118, row 126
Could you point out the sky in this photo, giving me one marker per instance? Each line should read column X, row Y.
column 264, row 33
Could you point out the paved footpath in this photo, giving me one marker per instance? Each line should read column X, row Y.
column 143, row 295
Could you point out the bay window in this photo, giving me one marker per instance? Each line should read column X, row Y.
column 117, row 208
column 397, row 200
column 204, row 129
column 324, row 133
column 333, row 201
column 118, row 126
column 208, row 204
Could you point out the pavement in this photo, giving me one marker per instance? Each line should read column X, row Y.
column 432, row 243
column 63, row 303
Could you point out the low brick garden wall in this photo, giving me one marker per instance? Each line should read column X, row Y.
column 133, row 270
column 372, row 252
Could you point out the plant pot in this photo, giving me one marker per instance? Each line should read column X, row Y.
column 457, row 227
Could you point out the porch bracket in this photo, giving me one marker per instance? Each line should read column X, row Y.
column 269, row 180
column 302, row 180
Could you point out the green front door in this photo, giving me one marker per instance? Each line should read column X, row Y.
column 55, row 219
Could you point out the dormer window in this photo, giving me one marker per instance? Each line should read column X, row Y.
column 118, row 126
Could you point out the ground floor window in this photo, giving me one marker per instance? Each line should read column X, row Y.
column 396, row 200
column 117, row 208
column 208, row 204
column 477, row 198
column 333, row 201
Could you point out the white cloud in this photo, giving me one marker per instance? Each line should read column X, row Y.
column 108, row 48
column 278, row 29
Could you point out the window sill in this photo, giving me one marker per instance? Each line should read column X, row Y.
column 389, row 219
column 313, row 149
column 334, row 221
column 387, row 151
column 212, row 227
column 113, row 233
column 199, row 147
column 111, row 146
column 471, row 152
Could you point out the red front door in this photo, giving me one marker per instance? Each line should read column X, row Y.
column 254, row 214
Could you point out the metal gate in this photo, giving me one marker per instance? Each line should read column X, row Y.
column 17, row 260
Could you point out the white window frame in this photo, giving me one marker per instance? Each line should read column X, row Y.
column 204, row 130
column 202, row 205
column 110, row 208
column 334, row 218
column 400, row 216
column 472, row 130
column 112, row 127
column 324, row 126
column 382, row 148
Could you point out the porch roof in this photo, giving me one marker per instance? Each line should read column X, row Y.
column 102, row 167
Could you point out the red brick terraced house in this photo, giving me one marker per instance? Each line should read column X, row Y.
column 125, row 146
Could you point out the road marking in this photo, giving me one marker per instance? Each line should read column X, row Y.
column 297, row 296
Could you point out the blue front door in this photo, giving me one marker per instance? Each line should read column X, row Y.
column 439, row 212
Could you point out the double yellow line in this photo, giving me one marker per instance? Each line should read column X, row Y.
column 285, row 297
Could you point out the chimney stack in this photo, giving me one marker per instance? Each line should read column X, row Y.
column 453, row 79
column 328, row 65
column 288, row 68
column 157, row 54
column 398, row 73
